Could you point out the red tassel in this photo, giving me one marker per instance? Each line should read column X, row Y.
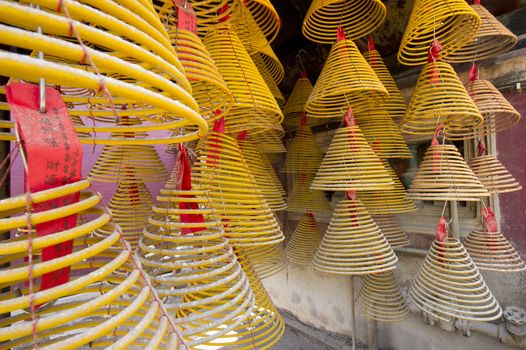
column 436, row 155
column 490, row 223
column 219, row 124
column 340, row 34
column 435, row 48
column 473, row 73
column 481, row 149
column 370, row 47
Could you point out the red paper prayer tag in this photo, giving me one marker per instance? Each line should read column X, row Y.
column 242, row 135
column 303, row 121
column 351, row 194
column 473, row 73
column 437, row 157
column 54, row 158
column 340, row 34
column 186, row 18
column 442, row 229
column 481, row 149
column 219, row 124
column 349, row 120
column 221, row 11
column 432, row 56
column 490, row 223
column 370, row 47
column 184, row 183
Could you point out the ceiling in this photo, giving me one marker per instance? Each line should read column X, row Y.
column 387, row 38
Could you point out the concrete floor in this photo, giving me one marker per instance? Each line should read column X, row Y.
column 296, row 340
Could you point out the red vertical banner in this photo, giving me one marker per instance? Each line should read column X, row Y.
column 54, row 158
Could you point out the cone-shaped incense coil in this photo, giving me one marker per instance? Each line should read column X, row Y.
column 439, row 96
column 443, row 175
column 492, row 39
column 269, row 141
column 304, row 241
column 381, row 298
column 132, row 53
column 130, row 207
column 498, row 113
column 102, row 301
column 395, row 105
column 266, row 17
column 346, row 80
column 351, row 164
column 273, row 87
column 208, row 87
column 268, row 260
column 389, row 226
column 493, row 252
column 302, row 198
column 116, row 161
column 392, row 201
column 382, row 133
column 265, row 182
column 274, row 177
column 357, row 18
column 223, row 172
column 264, row 327
column 193, row 267
column 452, row 22
column 353, row 243
column 304, row 155
column 295, row 106
column 493, row 175
column 254, row 107
column 449, row 285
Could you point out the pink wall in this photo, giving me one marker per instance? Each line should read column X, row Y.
column 511, row 151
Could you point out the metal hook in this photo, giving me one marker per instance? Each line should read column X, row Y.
column 298, row 57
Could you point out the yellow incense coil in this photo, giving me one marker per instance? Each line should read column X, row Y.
column 346, row 80
column 106, row 301
column 254, row 108
column 263, row 70
column 301, row 197
column 443, row 175
column 268, row 260
column 492, row 39
column 382, row 133
column 295, row 105
column 498, row 113
column 381, row 298
column 395, row 104
column 269, row 141
column 303, row 155
column 493, row 175
column 263, row 328
column 439, row 96
column 116, row 161
column 353, row 243
column 130, row 207
column 351, row 164
column 208, row 87
column 449, row 285
column 304, row 241
column 391, row 230
column 391, row 201
column 357, row 18
column 491, row 251
column 221, row 170
column 256, row 44
column 132, row 52
column 194, row 268
column 262, row 176
column 266, row 17
column 452, row 22
column 267, row 163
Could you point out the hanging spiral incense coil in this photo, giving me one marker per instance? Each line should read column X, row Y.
column 130, row 207
column 304, row 241
column 273, row 87
column 267, row 261
column 303, row 155
column 491, row 251
column 208, row 87
column 382, row 133
column 270, row 170
column 116, row 161
column 124, row 48
column 295, row 105
column 346, row 80
column 194, row 268
column 266, row 17
column 269, row 141
column 301, row 197
column 391, row 230
column 262, row 176
column 357, row 18
column 353, row 243
column 443, row 175
column 392, row 201
column 498, row 113
column 221, row 170
column 395, row 104
column 104, row 303
column 381, row 298
column 440, row 97
column 351, row 164
column 449, row 285
column 493, row 175
column 452, row 22
column 492, row 39
column 254, row 107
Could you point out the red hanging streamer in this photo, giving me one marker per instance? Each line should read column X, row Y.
column 432, row 57
column 340, row 34
column 473, row 73
column 442, row 235
column 351, row 195
column 54, row 158
column 490, row 222
column 221, row 11
column 219, row 124
column 349, row 119
column 186, row 17
column 370, row 47
column 437, row 157
column 242, row 135
column 481, row 149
